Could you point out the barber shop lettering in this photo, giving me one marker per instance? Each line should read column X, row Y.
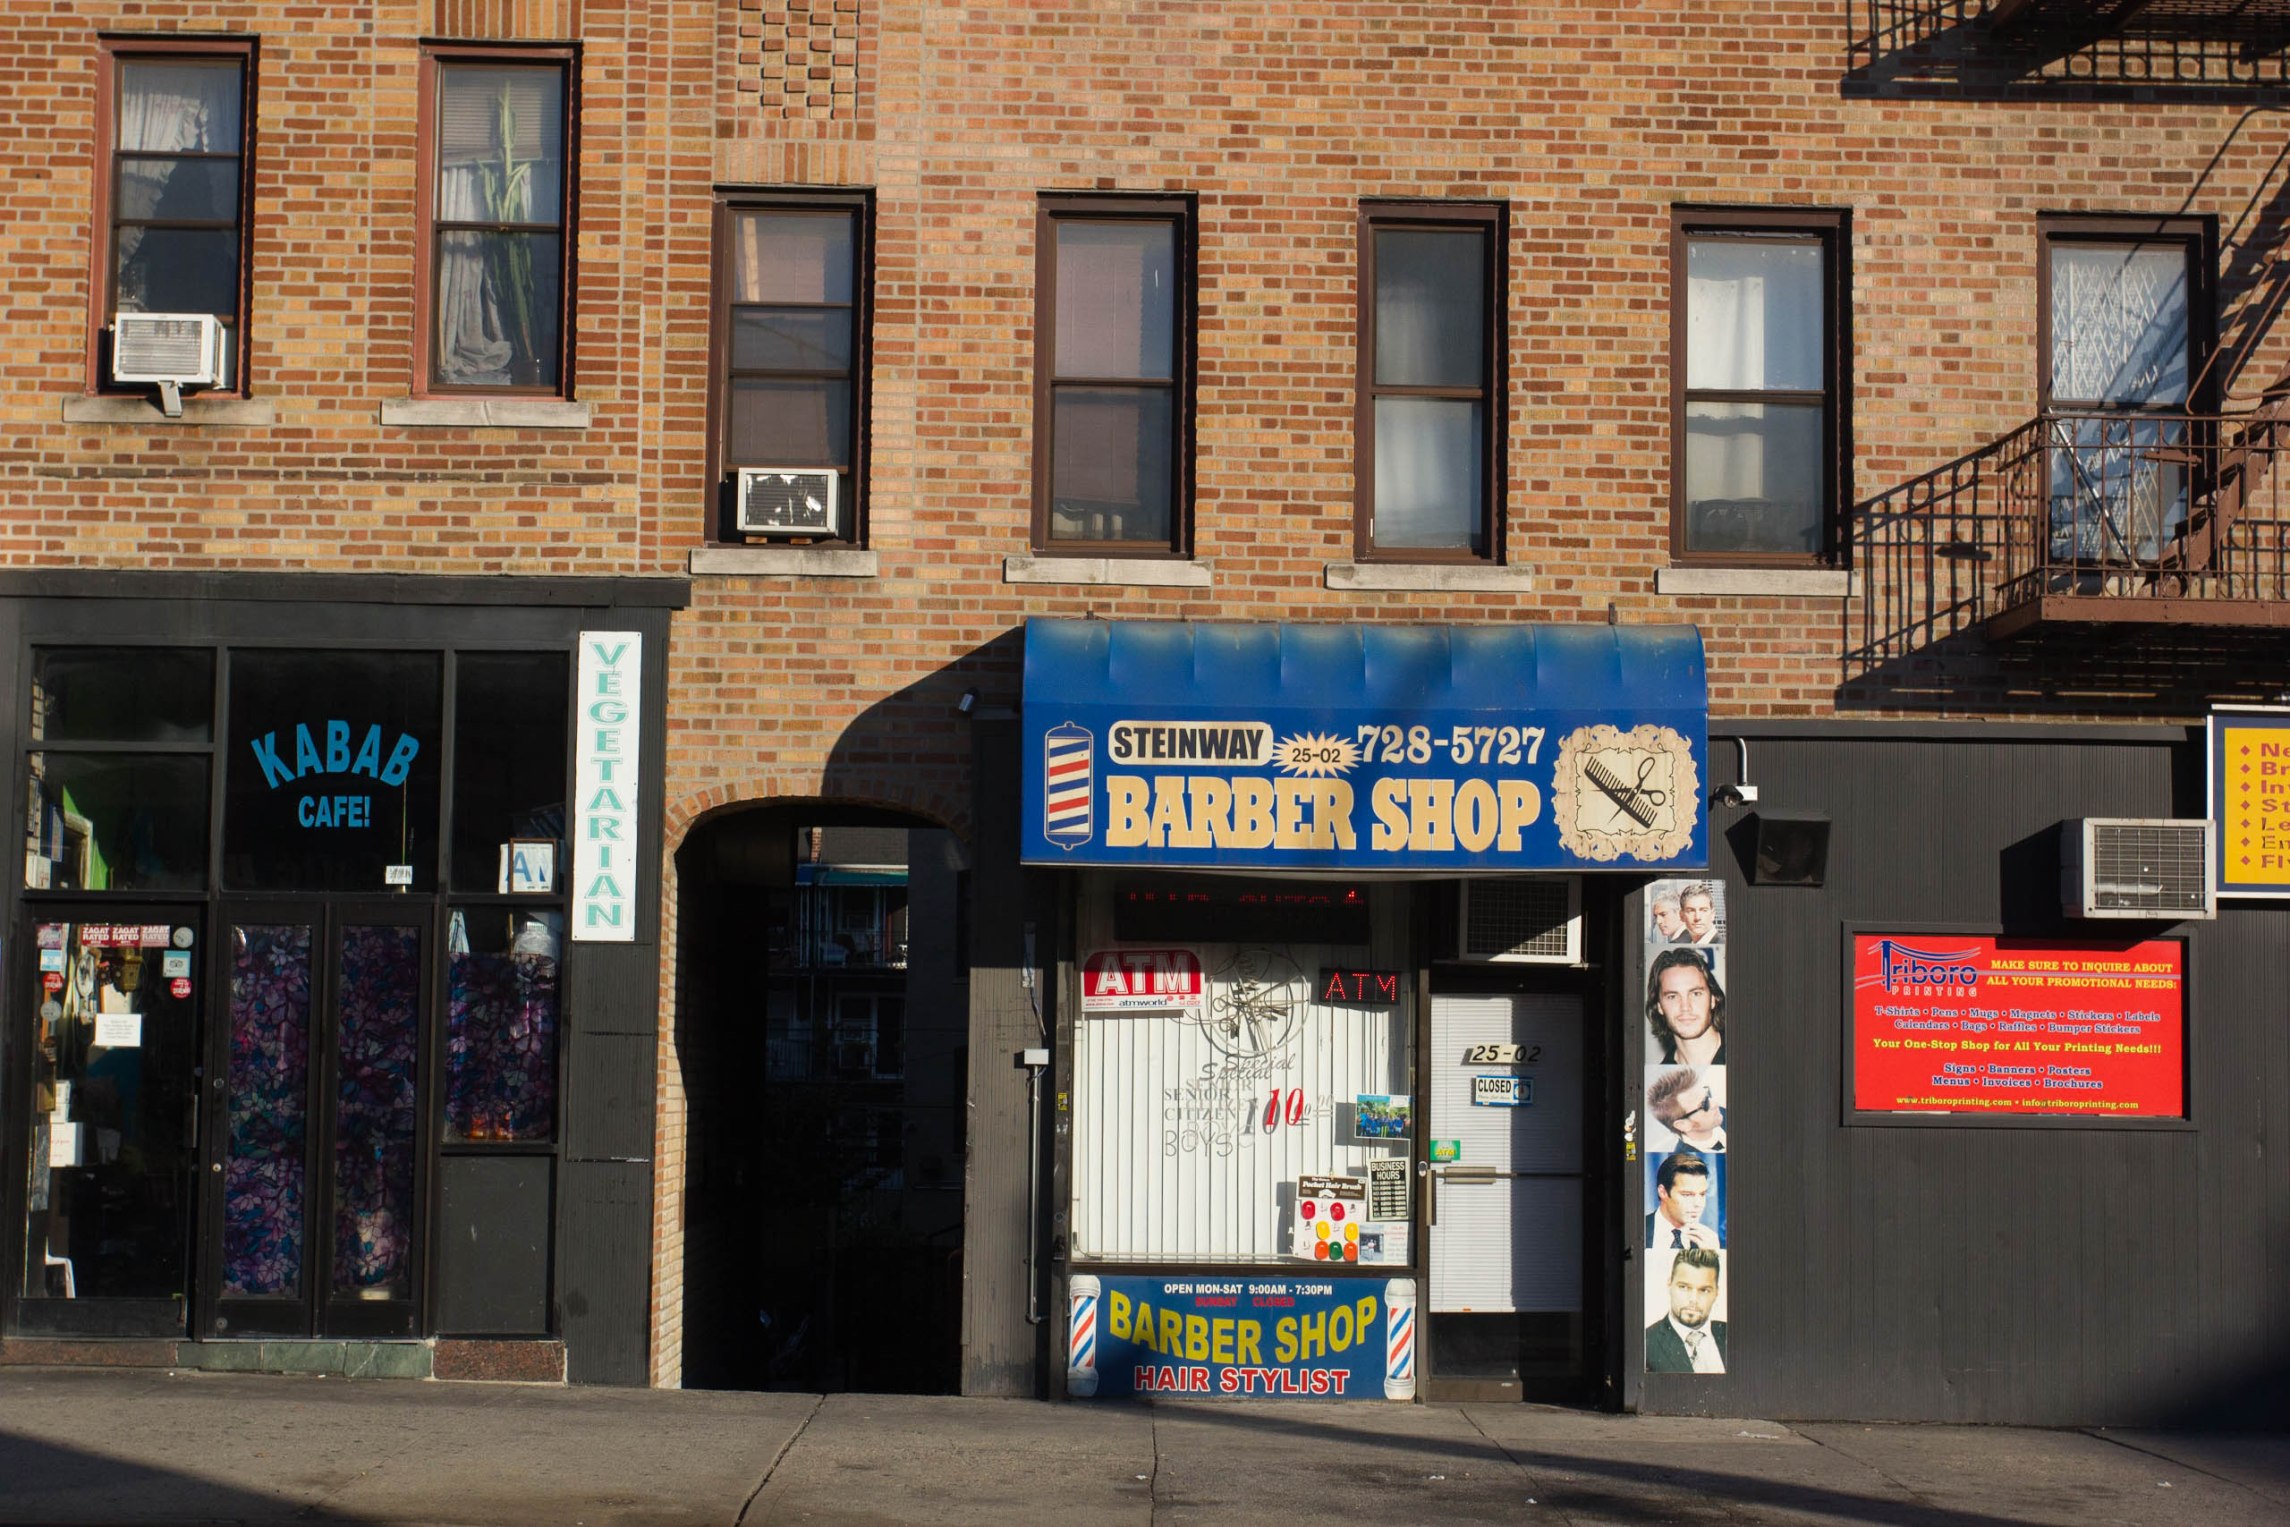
column 1247, row 1336
column 335, row 757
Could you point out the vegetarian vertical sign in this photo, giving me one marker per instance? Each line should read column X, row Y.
column 608, row 741
column 1958, row 1024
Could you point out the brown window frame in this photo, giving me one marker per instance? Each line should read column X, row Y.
column 1833, row 227
column 2198, row 240
column 567, row 58
column 1184, row 214
column 1493, row 220
column 723, row 496
column 103, row 264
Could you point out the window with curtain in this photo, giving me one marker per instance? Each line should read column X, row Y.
column 1429, row 356
column 497, row 226
column 1758, row 418
column 792, row 319
column 177, row 191
column 2120, row 351
column 1113, row 400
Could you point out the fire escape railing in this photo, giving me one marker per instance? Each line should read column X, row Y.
column 2187, row 509
column 2198, row 45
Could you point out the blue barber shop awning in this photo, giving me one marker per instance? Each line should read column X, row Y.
column 1516, row 747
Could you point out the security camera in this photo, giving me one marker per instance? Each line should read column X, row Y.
column 1733, row 795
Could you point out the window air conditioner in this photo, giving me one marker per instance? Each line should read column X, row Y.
column 2127, row 867
column 789, row 501
column 854, row 1057
column 1520, row 922
column 174, row 350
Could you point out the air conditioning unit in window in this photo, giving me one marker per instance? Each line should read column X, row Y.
column 789, row 501
column 854, row 1057
column 2133, row 867
column 1520, row 921
column 174, row 350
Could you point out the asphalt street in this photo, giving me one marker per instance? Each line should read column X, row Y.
column 118, row 1446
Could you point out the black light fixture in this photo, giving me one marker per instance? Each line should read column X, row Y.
column 1792, row 848
column 967, row 704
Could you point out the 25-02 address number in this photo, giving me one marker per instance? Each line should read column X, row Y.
column 1502, row 1055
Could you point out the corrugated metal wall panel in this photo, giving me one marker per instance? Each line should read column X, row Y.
column 2037, row 1276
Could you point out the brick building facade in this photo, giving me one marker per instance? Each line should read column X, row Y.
column 342, row 477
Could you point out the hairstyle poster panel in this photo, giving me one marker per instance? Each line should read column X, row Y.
column 1687, row 1164
column 1974, row 1027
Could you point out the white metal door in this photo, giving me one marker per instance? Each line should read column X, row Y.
column 1506, row 1231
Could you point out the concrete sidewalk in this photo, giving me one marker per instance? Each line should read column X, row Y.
column 85, row 1446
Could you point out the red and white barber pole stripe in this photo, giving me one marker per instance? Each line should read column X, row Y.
column 1399, row 1339
column 1068, row 777
column 1081, row 1336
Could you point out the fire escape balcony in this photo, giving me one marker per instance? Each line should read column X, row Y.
column 2146, row 523
column 2198, row 47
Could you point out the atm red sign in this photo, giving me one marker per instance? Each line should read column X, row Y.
column 1140, row 980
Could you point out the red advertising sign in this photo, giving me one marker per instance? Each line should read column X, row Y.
column 1140, row 980
column 1952, row 1023
column 180, row 986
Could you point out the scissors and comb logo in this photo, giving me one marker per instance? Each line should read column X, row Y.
column 1631, row 793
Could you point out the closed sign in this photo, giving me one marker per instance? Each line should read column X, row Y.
column 1503, row 1091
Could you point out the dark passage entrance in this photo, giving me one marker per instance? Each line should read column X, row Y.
column 823, row 1027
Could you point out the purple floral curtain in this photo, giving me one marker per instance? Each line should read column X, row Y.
column 269, row 1119
column 501, row 1047
column 374, row 1111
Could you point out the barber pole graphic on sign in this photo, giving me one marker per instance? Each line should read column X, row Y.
column 1068, row 776
column 1081, row 1337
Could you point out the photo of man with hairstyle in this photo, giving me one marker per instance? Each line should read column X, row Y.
column 1697, row 907
column 1669, row 923
column 1681, row 1202
column 1684, row 1102
column 1685, row 1009
column 1687, row 1340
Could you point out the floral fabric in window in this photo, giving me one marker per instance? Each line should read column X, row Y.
column 501, row 1036
column 374, row 1111
column 263, row 1207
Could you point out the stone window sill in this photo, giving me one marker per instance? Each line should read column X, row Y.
column 484, row 413
column 783, row 562
column 1116, row 572
column 1783, row 582
column 259, row 413
column 1430, row 577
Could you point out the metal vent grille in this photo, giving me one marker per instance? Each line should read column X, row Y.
column 787, row 501
column 2160, row 867
column 1518, row 920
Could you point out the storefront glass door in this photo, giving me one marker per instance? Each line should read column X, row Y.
column 113, row 1125
column 316, row 1145
column 1505, row 1089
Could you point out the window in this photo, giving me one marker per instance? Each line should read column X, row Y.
column 1430, row 396
column 172, row 199
column 1757, row 384
column 1113, row 368
column 495, row 207
column 2125, row 308
column 791, row 338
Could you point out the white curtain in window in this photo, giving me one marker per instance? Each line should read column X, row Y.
column 499, row 160
column 190, row 107
column 2118, row 324
column 1753, row 316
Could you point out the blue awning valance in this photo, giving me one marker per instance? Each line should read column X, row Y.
column 1501, row 747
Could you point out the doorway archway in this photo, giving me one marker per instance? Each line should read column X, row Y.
column 823, row 1026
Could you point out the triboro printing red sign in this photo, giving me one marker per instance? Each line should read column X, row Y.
column 1946, row 1023
column 1140, row 980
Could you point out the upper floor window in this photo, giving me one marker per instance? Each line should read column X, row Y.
column 1429, row 425
column 173, row 193
column 1113, row 375
column 791, row 331
column 2125, row 312
column 495, row 210
column 1757, row 389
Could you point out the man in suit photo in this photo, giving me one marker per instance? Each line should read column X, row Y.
column 1686, row 1340
column 1681, row 1197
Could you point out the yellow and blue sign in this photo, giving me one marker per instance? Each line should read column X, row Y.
column 1221, row 1334
column 1511, row 747
column 2250, row 802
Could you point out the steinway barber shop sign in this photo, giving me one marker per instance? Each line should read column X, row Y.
column 1512, row 747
